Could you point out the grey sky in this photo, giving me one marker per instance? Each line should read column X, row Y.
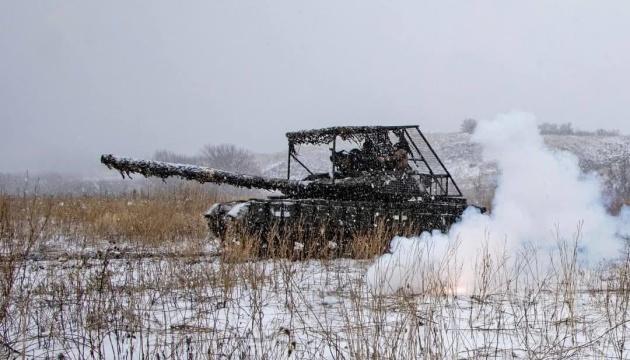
column 80, row 78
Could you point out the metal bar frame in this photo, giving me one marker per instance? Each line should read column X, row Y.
column 439, row 161
column 426, row 164
column 419, row 152
column 405, row 134
column 332, row 158
column 299, row 162
column 289, row 161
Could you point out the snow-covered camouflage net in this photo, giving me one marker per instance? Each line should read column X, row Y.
column 327, row 135
column 198, row 173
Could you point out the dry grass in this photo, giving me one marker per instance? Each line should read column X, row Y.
column 159, row 217
column 236, row 306
column 302, row 243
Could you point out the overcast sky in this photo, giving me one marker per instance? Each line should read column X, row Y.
column 81, row 78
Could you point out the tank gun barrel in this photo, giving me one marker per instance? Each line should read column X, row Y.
column 201, row 174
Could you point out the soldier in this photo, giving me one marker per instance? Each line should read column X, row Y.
column 397, row 159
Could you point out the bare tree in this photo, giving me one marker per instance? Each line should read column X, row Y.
column 229, row 157
column 169, row 156
column 468, row 126
column 224, row 157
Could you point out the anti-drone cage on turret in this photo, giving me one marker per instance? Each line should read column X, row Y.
column 424, row 164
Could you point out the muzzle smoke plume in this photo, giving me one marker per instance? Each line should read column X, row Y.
column 542, row 197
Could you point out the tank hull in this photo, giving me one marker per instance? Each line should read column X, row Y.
column 319, row 223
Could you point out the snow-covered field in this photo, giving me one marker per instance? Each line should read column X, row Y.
column 207, row 307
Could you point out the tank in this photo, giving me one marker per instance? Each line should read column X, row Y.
column 380, row 178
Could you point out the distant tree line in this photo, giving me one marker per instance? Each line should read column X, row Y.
column 64, row 185
column 223, row 156
column 567, row 129
column 469, row 125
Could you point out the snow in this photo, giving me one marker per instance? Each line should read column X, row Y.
column 312, row 309
column 213, row 209
column 238, row 210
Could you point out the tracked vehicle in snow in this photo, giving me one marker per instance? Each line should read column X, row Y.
column 386, row 176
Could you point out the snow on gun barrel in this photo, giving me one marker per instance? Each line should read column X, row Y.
column 201, row 174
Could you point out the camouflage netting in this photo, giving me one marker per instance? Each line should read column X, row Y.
column 327, row 135
column 201, row 174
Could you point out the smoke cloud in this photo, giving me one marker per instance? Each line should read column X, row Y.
column 542, row 197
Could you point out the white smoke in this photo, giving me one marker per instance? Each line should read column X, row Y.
column 542, row 197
